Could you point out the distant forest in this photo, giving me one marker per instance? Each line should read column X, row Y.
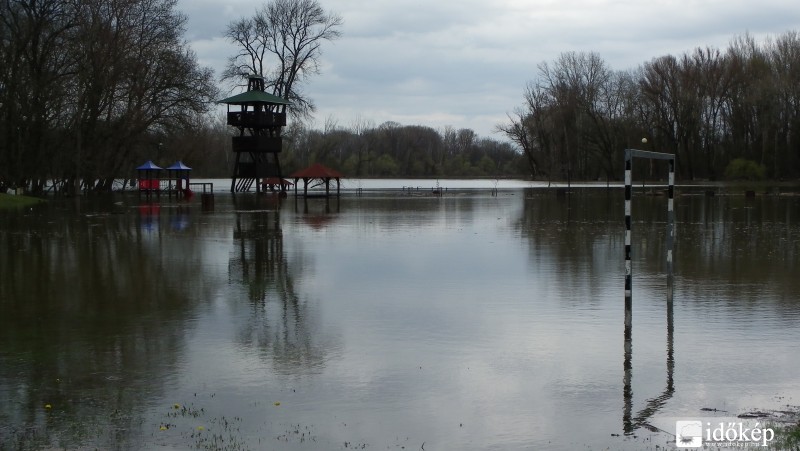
column 366, row 150
column 91, row 89
column 732, row 114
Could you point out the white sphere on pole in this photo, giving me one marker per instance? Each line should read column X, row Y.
column 644, row 140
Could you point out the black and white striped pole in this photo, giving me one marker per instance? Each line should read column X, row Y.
column 630, row 154
column 628, row 193
column 670, row 228
column 629, row 422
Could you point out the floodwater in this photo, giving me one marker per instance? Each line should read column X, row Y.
column 391, row 321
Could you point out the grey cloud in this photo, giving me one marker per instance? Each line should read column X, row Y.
column 470, row 60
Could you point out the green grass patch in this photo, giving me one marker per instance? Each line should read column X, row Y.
column 787, row 438
column 8, row 201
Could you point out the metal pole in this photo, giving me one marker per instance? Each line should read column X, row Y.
column 628, row 269
column 630, row 423
column 627, row 391
column 670, row 228
column 629, row 155
column 627, row 379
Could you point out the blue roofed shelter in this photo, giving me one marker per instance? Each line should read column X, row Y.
column 149, row 177
column 180, row 173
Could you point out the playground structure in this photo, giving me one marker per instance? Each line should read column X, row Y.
column 150, row 179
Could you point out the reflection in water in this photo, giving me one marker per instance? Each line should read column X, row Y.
column 655, row 404
column 629, row 422
column 279, row 324
column 91, row 323
column 317, row 216
column 461, row 322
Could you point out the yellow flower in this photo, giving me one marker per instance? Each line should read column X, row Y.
column 163, row 428
column 48, row 406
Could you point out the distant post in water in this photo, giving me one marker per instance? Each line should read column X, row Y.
column 630, row 154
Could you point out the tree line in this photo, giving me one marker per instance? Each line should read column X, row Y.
column 725, row 114
column 90, row 89
column 88, row 86
column 363, row 149
column 395, row 150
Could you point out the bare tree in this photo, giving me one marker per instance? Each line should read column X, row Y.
column 33, row 77
column 611, row 121
column 139, row 79
column 530, row 129
column 709, row 107
column 714, row 81
column 360, row 145
column 283, row 44
column 86, row 84
column 785, row 58
column 666, row 86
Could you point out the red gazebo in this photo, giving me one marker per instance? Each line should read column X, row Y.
column 317, row 172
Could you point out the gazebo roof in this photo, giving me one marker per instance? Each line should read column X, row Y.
column 149, row 166
column 255, row 96
column 179, row 166
column 317, row 171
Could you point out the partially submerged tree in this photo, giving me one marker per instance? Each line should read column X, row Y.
column 35, row 72
column 85, row 84
column 139, row 78
column 282, row 43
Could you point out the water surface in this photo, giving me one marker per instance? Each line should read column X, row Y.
column 467, row 321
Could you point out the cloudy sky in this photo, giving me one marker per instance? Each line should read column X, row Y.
column 465, row 63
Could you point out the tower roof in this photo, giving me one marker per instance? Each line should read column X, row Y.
column 254, row 97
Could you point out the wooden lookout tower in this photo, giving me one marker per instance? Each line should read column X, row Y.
column 260, row 118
